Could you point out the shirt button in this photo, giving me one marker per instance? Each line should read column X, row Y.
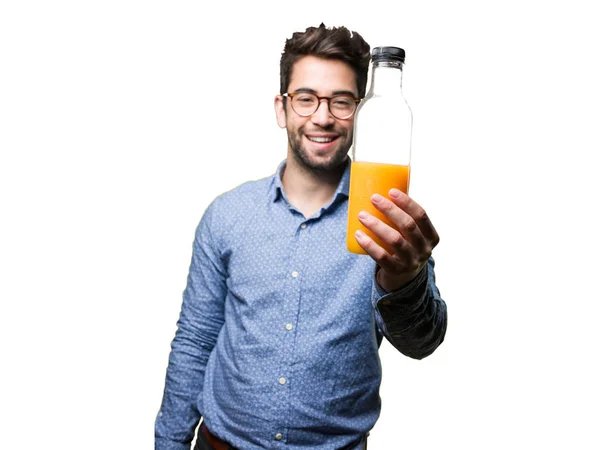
column 279, row 436
column 295, row 274
column 303, row 226
column 289, row 327
column 282, row 380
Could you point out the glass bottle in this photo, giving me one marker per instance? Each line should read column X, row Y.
column 382, row 139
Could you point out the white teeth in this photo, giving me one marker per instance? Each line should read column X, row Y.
column 320, row 139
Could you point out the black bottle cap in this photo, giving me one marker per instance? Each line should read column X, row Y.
column 388, row 54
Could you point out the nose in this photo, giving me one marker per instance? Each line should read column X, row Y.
column 322, row 116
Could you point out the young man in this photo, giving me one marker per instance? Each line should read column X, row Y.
column 277, row 342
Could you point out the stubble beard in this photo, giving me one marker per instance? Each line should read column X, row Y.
column 302, row 156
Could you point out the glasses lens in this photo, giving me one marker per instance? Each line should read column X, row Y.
column 305, row 104
column 342, row 106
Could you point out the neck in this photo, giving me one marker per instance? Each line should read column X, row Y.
column 307, row 189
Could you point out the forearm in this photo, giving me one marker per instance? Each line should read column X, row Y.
column 198, row 327
column 178, row 415
column 414, row 318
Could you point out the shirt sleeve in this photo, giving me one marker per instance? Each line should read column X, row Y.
column 199, row 324
column 414, row 318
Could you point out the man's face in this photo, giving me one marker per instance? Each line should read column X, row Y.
column 319, row 142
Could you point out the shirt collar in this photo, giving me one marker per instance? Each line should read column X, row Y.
column 278, row 192
column 277, row 185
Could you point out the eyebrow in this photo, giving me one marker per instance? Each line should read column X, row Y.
column 312, row 91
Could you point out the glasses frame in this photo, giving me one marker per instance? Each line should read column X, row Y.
column 292, row 95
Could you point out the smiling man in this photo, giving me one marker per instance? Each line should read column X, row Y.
column 280, row 326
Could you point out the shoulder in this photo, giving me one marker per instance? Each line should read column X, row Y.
column 244, row 196
column 233, row 205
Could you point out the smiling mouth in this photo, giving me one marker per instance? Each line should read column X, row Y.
column 321, row 140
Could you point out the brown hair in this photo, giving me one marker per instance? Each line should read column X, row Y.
column 328, row 43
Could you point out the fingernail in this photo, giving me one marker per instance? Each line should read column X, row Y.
column 395, row 193
column 363, row 215
column 377, row 198
column 359, row 234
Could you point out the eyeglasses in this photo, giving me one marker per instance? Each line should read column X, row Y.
column 340, row 106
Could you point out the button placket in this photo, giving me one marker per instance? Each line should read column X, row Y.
column 295, row 259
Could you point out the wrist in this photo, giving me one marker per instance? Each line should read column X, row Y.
column 394, row 282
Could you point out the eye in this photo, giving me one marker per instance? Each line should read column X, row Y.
column 305, row 99
column 342, row 102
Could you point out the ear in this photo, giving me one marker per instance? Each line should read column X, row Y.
column 280, row 111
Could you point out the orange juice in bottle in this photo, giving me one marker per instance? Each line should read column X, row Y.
column 367, row 179
column 382, row 141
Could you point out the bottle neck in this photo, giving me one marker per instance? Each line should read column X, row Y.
column 386, row 77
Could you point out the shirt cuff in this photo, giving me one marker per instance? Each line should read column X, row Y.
column 408, row 294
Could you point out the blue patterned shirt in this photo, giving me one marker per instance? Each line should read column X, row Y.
column 277, row 341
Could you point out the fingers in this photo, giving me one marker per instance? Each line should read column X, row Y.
column 403, row 225
column 390, row 237
column 396, row 270
column 416, row 213
column 408, row 237
column 381, row 256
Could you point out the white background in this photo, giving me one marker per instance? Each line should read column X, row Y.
column 121, row 120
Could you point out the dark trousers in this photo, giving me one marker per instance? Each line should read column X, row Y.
column 205, row 440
